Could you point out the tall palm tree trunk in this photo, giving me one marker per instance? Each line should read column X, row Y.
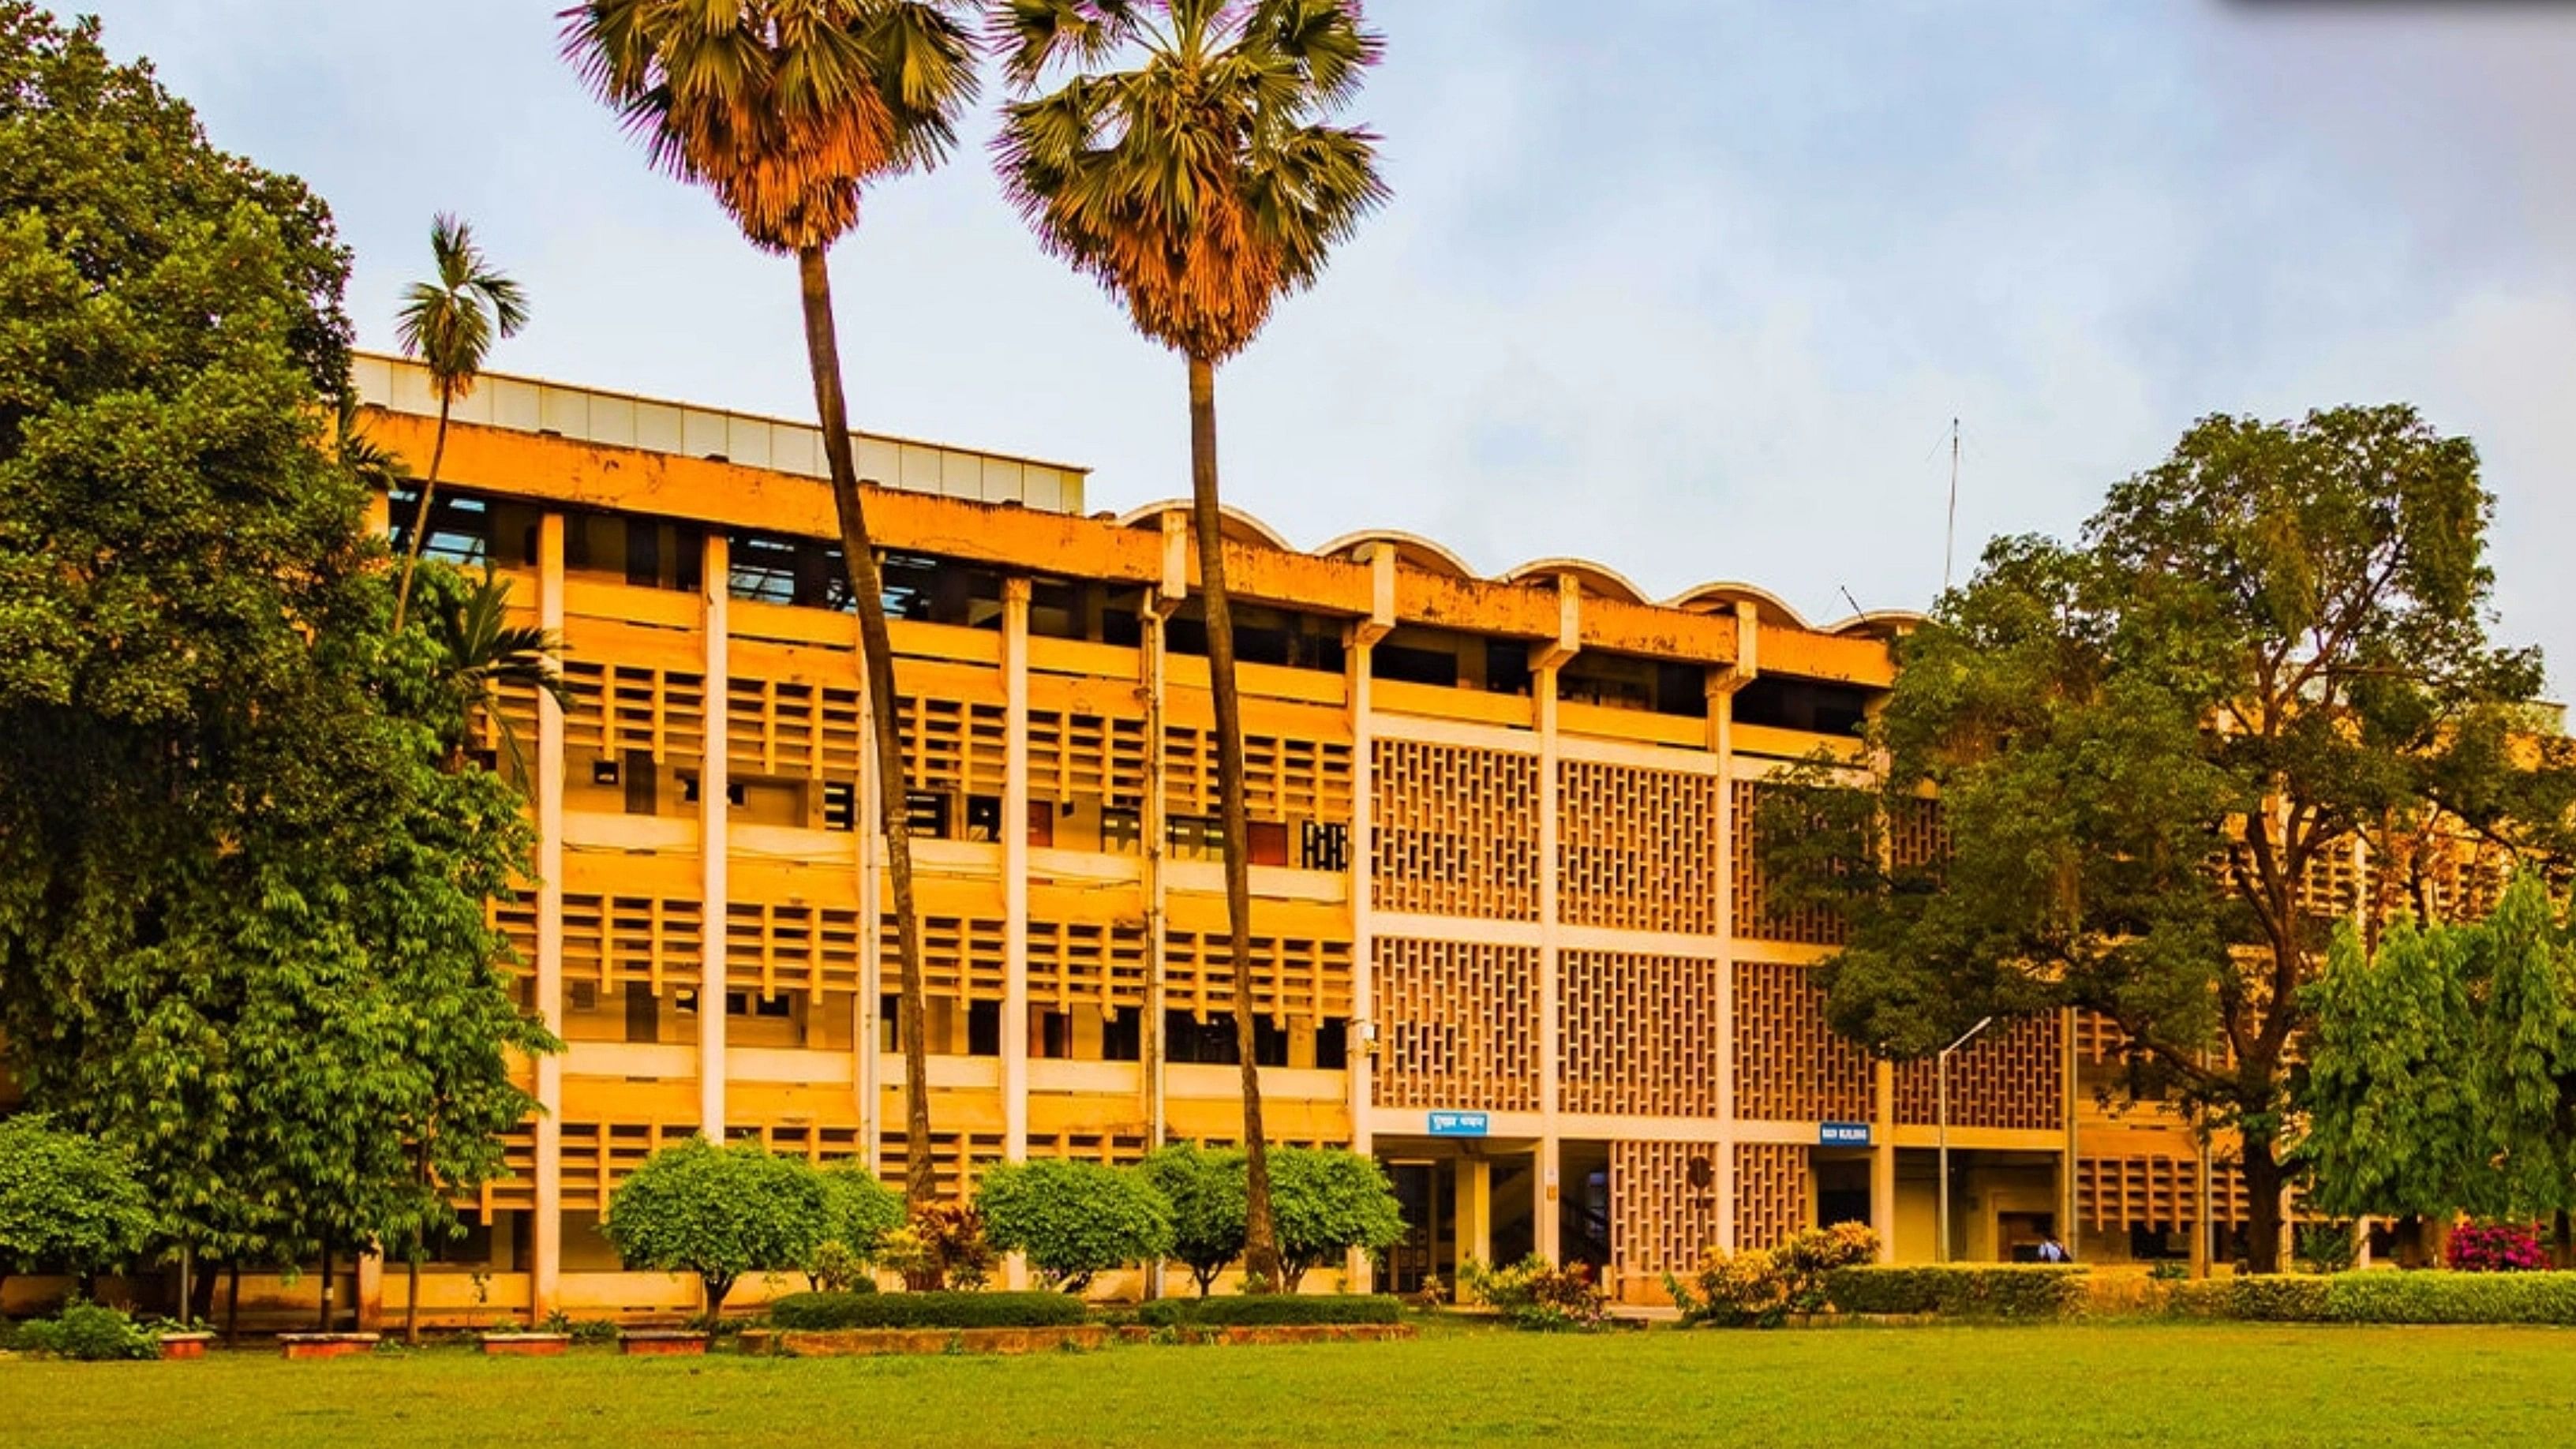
column 1260, row 1236
column 876, row 651
column 420, row 519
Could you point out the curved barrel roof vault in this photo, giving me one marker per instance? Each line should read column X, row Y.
column 1238, row 525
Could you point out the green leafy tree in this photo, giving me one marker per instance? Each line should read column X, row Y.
column 863, row 1212
column 719, row 1212
column 1075, row 1220
column 785, row 110
column 67, row 1202
column 1331, row 1201
column 449, row 322
column 2393, row 1111
column 2442, row 1079
column 241, row 905
column 2149, row 744
column 1206, row 1191
column 1185, row 162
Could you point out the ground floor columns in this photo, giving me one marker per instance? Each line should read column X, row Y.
column 545, row 1269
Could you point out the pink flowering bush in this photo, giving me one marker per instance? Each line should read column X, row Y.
column 2496, row 1248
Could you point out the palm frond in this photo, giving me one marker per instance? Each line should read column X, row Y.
column 1197, row 181
column 450, row 321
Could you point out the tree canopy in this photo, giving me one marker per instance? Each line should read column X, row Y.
column 2153, row 750
column 2442, row 1076
column 242, row 928
column 720, row 1212
column 67, row 1202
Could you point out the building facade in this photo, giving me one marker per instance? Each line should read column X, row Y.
column 1510, row 936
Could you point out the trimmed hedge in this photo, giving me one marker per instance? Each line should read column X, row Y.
column 925, row 1310
column 2445, row 1297
column 1270, row 1310
column 1958, row 1290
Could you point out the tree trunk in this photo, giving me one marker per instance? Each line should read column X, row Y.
column 420, row 519
column 200, row 1307
column 1261, row 1267
column 715, row 1290
column 232, row 1304
column 2263, row 1179
column 876, row 649
column 411, row 1297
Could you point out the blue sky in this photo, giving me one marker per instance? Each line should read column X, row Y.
column 1691, row 289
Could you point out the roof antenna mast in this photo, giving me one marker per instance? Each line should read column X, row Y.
column 1950, row 534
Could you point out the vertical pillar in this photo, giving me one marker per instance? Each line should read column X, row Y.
column 545, row 1269
column 1545, row 1227
column 868, row 828
column 1360, row 1037
column 1015, row 888
column 2207, row 1225
column 369, row 1290
column 1156, row 841
column 1882, row 1158
column 2070, row 1225
column 714, row 839
column 1475, row 1197
column 1015, row 869
column 1722, row 685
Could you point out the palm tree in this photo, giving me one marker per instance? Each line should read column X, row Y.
column 448, row 323
column 784, row 110
column 483, row 652
column 1199, row 185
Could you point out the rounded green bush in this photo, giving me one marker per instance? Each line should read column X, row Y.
column 1074, row 1219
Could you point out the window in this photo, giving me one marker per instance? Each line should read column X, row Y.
column 983, row 1028
column 1414, row 666
column 926, row 814
column 1268, row 842
column 743, row 1003
column 983, row 817
column 643, row 783
column 1186, row 1039
column 1269, row 1043
column 1332, row 1044
column 1783, row 702
column 890, row 1023
column 1042, row 824
column 1323, row 845
column 1053, row 1039
column 771, row 568
column 643, row 1014
column 1122, row 1035
column 1194, row 837
column 840, row 805
column 1121, row 831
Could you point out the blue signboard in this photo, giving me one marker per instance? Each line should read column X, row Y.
column 1842, row 1134
column 1458, row 1124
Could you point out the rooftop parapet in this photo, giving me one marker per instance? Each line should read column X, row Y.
column 614, row 419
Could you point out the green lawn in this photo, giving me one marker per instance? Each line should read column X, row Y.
column 2146, row 1384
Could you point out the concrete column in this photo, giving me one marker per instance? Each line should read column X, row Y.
column 1721, row 743
column 867, row 824
column 714, row 837
column 1475, row 1192
column 1362, row 1034
column 1151, row 827
column 1545, row 1226
column 1015, row 869
column 1882, row 1158
column 2070, row 1226
column 545, row 1269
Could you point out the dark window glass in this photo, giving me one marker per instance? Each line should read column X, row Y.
column 1783, row 702
column 983, row 1028
column 1122, row 1035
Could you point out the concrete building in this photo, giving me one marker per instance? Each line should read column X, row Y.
column 1510, row 936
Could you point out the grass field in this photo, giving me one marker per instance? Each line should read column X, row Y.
column 2112, row 1384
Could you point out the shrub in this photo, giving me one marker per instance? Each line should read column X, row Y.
column 859, row 1212
column 1327, row 1201
column 2168, row 1270
column 1264, row 1310
column 2326, row 1247
column 2439, row 1297
column 88, row 1331
column 1206, row 1192
column 1814, row 1252
column 66, row 1201
column 2495, row 1248
column 2272, row 1298
column 942, row 1246
column 1539, row 1296
column 1074, row 1219
column 718, row 1212
column 1960, row 1290
column 1749, row 1289
column 925, row 1310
